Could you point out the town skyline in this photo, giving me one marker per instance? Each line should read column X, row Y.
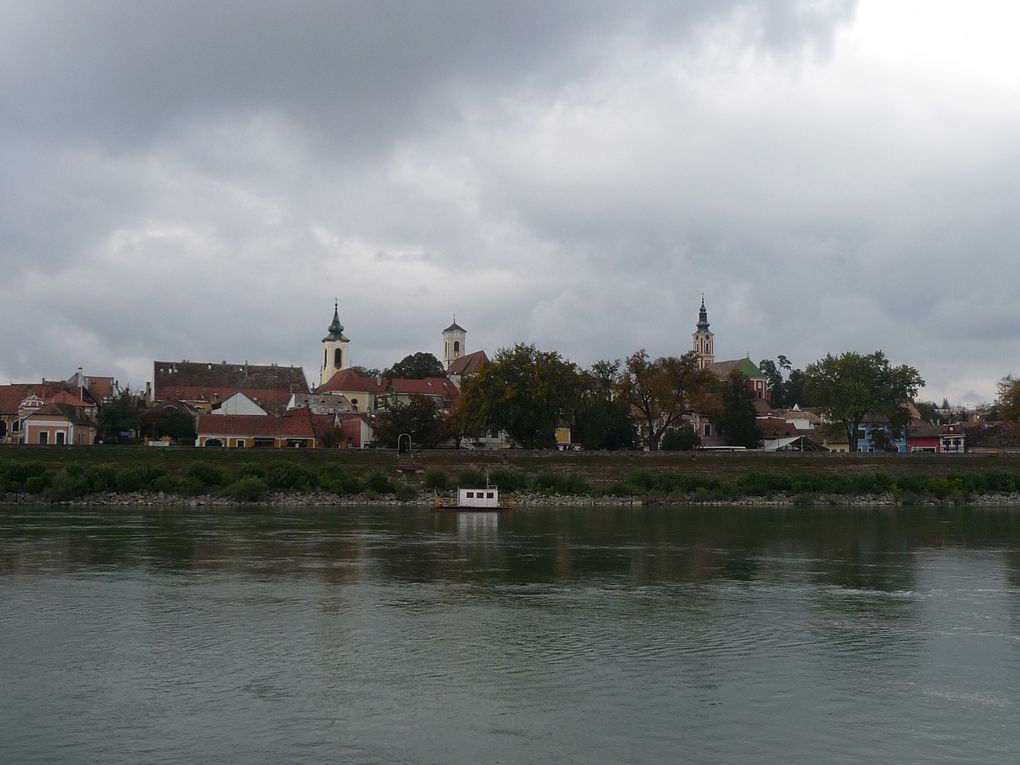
column 833, row 176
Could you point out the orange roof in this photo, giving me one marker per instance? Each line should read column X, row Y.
column 348, row 379
column 296, row 423
column 469, row 363
column 206, row 393
column 12, row 395
column 430, row 386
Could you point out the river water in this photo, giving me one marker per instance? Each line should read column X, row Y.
column 624, row 635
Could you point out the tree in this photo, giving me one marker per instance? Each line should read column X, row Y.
column 849, row 387
column 421, row 418
column 681, row 439
column 168, row 421
column 737, row 419
column 1009, row 399
column 417, row 366
column 366, row 371
column 663, row 391
column 929, row 411
column 523, row 391
column 119, row 420
column 601, row 421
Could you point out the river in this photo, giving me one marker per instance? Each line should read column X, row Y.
column 630, row 635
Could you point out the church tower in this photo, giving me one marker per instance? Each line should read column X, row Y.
column 704, row 343
column 334, row 348
column 454, row 338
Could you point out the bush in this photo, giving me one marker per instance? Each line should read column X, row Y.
column 18, row 473
column 167, row 484
column 248, row 489
column 289, row 475
column 378, row 482
column 36, row 484
column 436, row 479
column 206, row 474
column 102, row 478
column 471, row 478
column 406, row 492
column 509, row 480
column 251, row 469
column 65, row 486
column 336, row 478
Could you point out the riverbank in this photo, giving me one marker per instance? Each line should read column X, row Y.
column 196, row 477
column 521, row 500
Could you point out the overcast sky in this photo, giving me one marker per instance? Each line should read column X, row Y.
column 199, row 180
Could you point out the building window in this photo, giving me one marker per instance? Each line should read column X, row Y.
column 325, row 357
column 456, row 346
column 60, row 438
column 44, row 437
column 16, row 427
column 354, row 404
column 338, row 356
column 708, row 429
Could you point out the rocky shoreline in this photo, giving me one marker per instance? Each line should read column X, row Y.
column 522, row 500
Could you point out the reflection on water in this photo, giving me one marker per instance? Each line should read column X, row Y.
column 594, row 635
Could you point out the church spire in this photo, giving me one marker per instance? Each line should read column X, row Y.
column 703, row 316
column 336, row 329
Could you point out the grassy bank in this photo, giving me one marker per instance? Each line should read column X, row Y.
column 255, row 475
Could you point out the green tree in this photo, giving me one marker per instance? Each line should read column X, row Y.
column 600, row 420
column 849, row 387
column 1009, row 399
column 523, row 391
column 929, row 411
column 737, row 419
column 366, row 371
column 663, row 391
column 174, row 423
column 421, row 418
column 681, row 439
column 120, row 416
column 417, row 366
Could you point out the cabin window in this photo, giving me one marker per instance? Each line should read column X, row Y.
column 60, row 438
column 470, row 495
column 490, row 495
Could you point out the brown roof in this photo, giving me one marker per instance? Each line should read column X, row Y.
column 430, row 386
column 168, row 376
column 348, row 379
column 296, row 423
column 205, row 393
column 469, row 363
column 12, row 395
column 64, row 411
column 776, row 427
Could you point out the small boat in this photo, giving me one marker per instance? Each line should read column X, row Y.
column 486, row 499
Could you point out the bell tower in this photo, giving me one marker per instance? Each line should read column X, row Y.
column 704, row 340
column 335, row 355
column 454, row 338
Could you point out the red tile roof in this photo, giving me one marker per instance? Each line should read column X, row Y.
column 297, row 423
column 469, row 363
column 430, row 386
column 205, row 393
column 11, row 396
column 776, row 427
column 349, row 380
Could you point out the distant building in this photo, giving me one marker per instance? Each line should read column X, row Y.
column 60, row 424
column 203, row 385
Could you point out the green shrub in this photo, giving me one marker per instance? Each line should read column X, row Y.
column 191, row 487
column 436, row 479
column 248, row 489
column 36, row 484
column 251, row 469
column 546, row 482
column 471, row 478
column 102, row 478
column 336, row 478
column 378, row 482
column 406, row 492
column 206, row 474
column 167, row 484
column 289, row 475
column 574, row 484
column 508, row 480
column 18, row 473
column 66, row 485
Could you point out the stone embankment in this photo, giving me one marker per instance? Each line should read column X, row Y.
column 522, row 500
